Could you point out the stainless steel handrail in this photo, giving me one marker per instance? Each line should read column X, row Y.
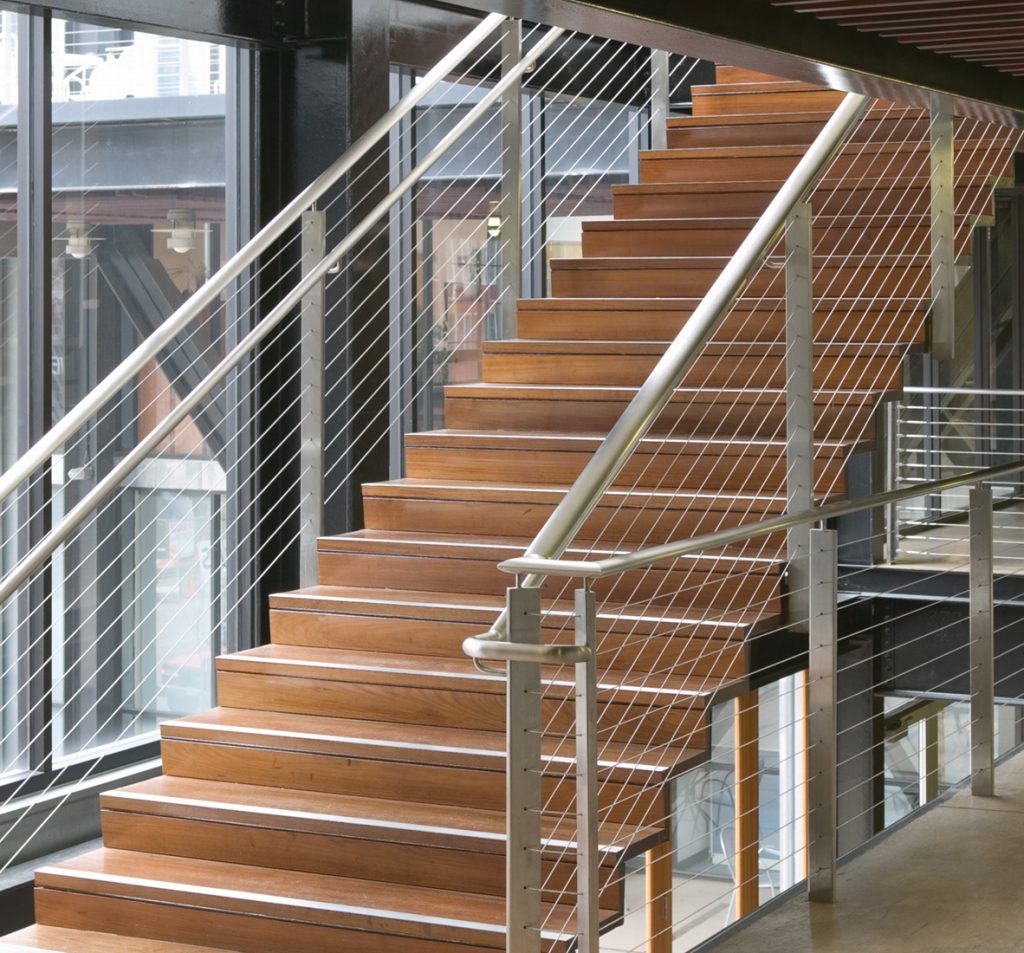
column 642, row 411
column 76, row 516
column 39, row 453
column 485, row 647
column 967, row 391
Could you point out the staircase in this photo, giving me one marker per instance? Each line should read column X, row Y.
column 348, row 792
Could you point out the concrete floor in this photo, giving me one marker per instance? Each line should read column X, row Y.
column 949, row 882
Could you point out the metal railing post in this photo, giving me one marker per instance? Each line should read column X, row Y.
column 660, row 99
column 510, row 282
column 587, row 884
column 523, row 794
column 311, row 400
column 799, row 400
column 821, row 717
column 892, row 473
column 982, row 684
column 943, row 319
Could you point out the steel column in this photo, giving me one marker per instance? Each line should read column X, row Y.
column 943, row 315
column 746, row 722
column 821, row 717
column 981, row 635
column 35, row 375
column 588, row 885
column 660, row 99
column 510, row 282
column 799, row 400
column 311, row 400
column 523, row 797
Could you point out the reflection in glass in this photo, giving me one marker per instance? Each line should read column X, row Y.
column 139, row 184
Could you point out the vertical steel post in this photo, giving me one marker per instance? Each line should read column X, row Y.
column 799, row 400
column 311, row 402
column 982, row 682
column 523, row 803
column 660, row 99
column 510, row 282
column 943, row 316
column 821, row 717
column 928, row 772
column 587, row 883
column 892, row 478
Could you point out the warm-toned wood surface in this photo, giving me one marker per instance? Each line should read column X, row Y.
column 348, row 793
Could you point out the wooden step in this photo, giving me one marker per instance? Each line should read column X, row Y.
column 725, row 100
column 908, row 160
column 43, row 939
column 393, row 841
column 740, row 74
column 435, row 624
column 726, row 580
column 790, row 128
column 871, row 276
column 713, row 412
column 643, row 517
column 840, row 235
column 629, row 364
column 887, row 195
column 451, row 693
column 462, row 768
column 660, row 319
column 263, row 910
column 668, row 463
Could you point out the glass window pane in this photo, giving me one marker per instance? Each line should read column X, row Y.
column 139, row 194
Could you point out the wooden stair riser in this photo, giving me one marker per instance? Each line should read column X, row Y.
column 911, row 162
column 382, row 859
column 651, row 238
column 787, row 129
column 712, row 418
column 711, row 370
column 652, row 523
column 637, row 278
column 636, row 803
column 679, row 721
column 973, row 201
column 760, row 469
column 430, row 573
column 712, row 101
column 690, row 650
column 890, row 323
column 231, row 931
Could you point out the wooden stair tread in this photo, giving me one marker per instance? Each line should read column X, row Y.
column 819, row 116
column 330, row 663
column 873, row 147
column 596, row 393
column 480, row 608
column 682, row 498
column 770, row 302
column 881, row 184
column 48, row 939
column 425, row 744
column 394, row 821
column 590, row 442
column 734, row 349
column 494, row 548
column 920, row 260
column 308, row 897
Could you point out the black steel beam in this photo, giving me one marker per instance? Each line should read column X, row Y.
column 785, row 43
column 265, row 22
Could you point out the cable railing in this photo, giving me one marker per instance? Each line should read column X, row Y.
column 657, row 627
column 941, row 431
column 151, row 552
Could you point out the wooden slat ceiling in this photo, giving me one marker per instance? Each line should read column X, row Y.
column 987, row 32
